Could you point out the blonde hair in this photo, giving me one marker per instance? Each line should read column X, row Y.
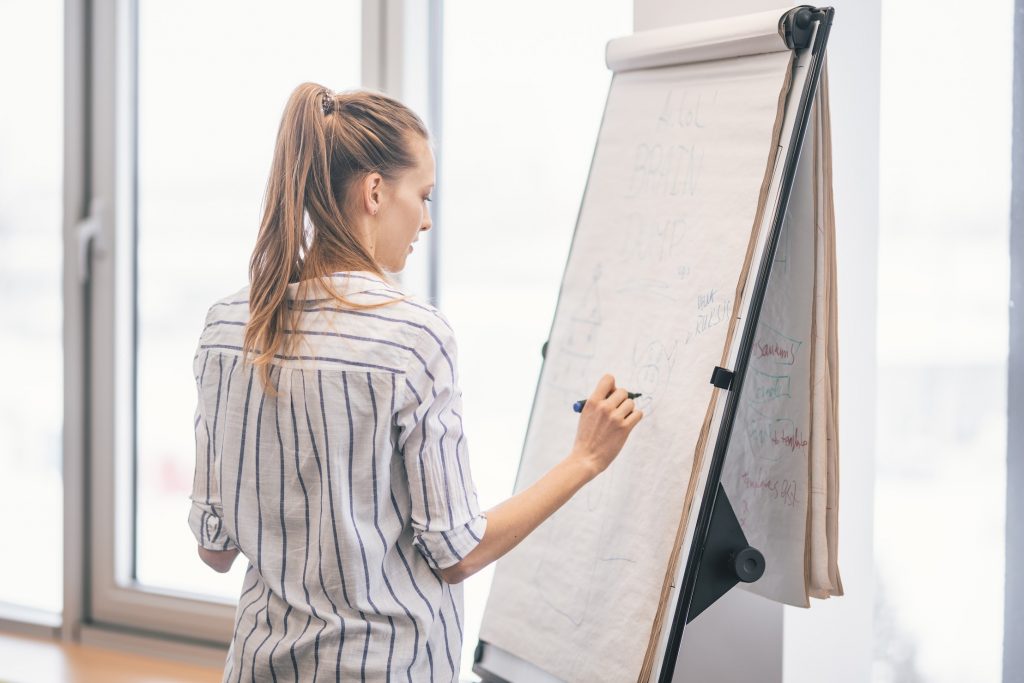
column 326, row 142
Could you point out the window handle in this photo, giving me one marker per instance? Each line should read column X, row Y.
column 88, row 233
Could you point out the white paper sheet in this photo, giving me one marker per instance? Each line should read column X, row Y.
column 827, row 224
column 766, row 465
column 647, row 296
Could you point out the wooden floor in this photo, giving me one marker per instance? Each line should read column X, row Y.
column 32, row 660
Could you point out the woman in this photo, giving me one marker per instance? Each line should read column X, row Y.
column 330, row 449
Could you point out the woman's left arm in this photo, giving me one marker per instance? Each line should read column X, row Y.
column 219, row 560
column 217, row 548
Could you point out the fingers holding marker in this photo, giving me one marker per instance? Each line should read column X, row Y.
column 616, row 398
column 579, row 405
column 605, row 425
column 605, row 386
column 625, row 408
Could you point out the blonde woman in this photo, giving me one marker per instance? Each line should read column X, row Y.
column 330, row 446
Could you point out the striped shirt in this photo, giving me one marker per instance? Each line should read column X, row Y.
column 346, row 486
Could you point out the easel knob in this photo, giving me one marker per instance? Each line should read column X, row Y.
column 748, row 564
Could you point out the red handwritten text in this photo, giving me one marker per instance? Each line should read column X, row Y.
column 776, row 489
column 773, row 351
column 792, row 440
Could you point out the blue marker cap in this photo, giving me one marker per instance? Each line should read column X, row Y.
column 578, row 405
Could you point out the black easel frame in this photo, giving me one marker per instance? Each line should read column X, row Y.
column 702, row 585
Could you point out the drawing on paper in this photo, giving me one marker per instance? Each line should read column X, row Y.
column 652, row 368
column 570, row 362
column 764, row 387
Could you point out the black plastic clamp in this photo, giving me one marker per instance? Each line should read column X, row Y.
column 722, row 378
column 795, row 26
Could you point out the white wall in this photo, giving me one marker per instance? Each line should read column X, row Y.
column 833, row 640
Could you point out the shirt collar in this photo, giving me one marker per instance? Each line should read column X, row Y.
column 349, row 282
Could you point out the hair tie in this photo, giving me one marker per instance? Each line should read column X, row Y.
column 327, row 102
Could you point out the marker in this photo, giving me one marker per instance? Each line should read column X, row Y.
column 578, row 405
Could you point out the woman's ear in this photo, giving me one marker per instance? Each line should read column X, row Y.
column 372, row 194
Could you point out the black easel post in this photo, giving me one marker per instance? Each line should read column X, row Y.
column 709, row 577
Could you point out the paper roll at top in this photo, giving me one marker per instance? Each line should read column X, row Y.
column 749, row 34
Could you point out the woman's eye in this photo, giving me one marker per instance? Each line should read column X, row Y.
column 427, row 199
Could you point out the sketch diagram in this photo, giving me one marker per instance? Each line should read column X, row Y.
column 650, row 286
column 652, row 367
column 759, row 432
column 569, row 363
column 559, row 589
column 771, row 438
column 743, row 513
column 588, row 551
column 567, row 371
column 764, row 387
column 586, row 321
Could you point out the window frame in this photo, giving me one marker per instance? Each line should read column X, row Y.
column 1013, row 598
column 103, row 603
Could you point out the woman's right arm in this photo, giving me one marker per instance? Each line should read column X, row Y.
column 606, row 421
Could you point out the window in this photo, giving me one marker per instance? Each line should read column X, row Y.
column 519, row 133
column 31, row 407
column 190, row 98
column 208, row 113
column 942, row 345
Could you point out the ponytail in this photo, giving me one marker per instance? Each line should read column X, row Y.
column 325, row 142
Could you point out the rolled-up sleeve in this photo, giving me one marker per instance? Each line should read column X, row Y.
column 205, row 517
column 446, row 518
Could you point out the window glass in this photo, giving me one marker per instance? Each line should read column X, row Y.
column 524, row 91
column 942, row 343
column 31, row 404
column 213, row 79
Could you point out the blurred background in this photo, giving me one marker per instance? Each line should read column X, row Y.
column 514, row 95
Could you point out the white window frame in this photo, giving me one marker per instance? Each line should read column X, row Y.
column 103, row 604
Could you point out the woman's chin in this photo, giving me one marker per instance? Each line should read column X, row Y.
column 396, row 265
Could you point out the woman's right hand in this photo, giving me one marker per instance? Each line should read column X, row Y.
column 608, row 417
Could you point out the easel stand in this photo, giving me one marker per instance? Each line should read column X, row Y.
column 719, row 555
